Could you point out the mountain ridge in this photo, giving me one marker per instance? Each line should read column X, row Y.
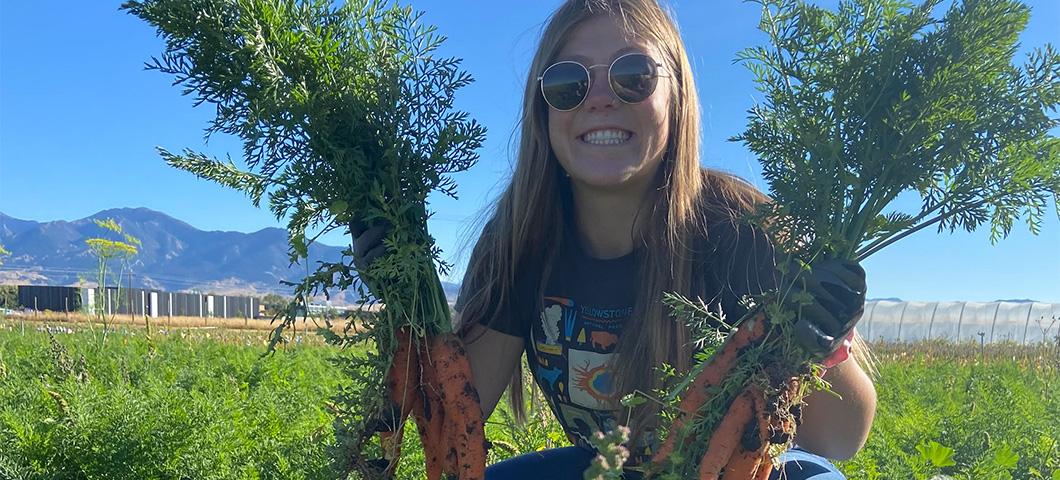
column 174, row 255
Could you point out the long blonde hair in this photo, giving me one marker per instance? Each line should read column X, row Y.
column 511, row 261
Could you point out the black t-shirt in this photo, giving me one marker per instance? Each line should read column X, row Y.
column 571, row 333
column 573, row 337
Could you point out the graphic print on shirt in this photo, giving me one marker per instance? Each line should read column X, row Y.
column 603, row 340
column 591, row 379
column 569, row 314
column 552, row 321
column 572, row 346
column 580, row 423
column 557, row 318
column 552, row 375
column 600, row 327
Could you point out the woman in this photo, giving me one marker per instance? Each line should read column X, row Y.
column 608, row 208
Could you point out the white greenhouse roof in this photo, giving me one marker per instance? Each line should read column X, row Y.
column 1020, row 322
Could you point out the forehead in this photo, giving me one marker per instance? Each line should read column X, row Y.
column 600, row 39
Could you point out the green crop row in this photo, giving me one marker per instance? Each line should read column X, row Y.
column 160, row 408
column 964, row 412
column 207, row 405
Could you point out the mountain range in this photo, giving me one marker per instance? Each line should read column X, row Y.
column 174, row 255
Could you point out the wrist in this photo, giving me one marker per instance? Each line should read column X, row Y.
column 840, row 354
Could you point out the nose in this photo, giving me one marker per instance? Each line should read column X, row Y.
column 600, row 94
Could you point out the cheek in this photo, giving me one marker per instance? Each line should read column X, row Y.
column 558, row 126
column 657, row 117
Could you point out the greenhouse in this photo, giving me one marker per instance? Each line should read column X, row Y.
column 1019, row 322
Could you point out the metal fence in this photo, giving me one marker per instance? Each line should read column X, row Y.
column 138, row 301
column 56, row 299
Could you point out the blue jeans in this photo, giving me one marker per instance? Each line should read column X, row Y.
column 568, row 463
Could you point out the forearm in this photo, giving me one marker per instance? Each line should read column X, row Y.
column 834, row 427
column 493, row 356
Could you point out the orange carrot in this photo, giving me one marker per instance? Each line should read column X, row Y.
column 425, row 423
column 430, row 418
column 402, row 384
column 742, row 465
column 464, row 426
column 764, row 468
column 715, row 371
column 753, row 442
column 452, row 441
column 726, row 439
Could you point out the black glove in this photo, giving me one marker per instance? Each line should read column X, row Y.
column 367, row 242
column 838, row 291
column 368, row 245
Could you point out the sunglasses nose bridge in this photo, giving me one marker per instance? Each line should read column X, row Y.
column 600, row 79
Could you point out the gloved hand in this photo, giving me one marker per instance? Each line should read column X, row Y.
column 838, row 290
column 367, row 242
column 368, row 247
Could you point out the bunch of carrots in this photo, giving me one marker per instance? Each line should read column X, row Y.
column 430, row 378
column 763, row 415
column 866, row 103
column 345, row 112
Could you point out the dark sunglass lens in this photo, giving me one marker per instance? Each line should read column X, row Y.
column 564, row 85
column 633, row 77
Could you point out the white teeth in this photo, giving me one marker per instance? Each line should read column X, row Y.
column 606, row 137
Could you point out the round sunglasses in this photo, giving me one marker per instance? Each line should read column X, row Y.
column 632, row 77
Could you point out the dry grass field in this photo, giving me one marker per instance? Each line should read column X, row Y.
column 175, row 322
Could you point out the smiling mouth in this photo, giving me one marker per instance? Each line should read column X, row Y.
column 610, row 136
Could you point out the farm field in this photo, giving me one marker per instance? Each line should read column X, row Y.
column 82, row 320
column 205, row 404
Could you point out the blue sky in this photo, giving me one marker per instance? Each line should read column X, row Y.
column 80, row 119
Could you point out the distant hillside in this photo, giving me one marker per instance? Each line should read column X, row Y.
column 175, row 256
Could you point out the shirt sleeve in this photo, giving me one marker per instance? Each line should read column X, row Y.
column 741, row 261
column 508, row 312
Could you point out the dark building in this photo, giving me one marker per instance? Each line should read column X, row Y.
column 138, row 301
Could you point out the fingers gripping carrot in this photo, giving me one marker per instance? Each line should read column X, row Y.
column 726, row 438
column 716, row 370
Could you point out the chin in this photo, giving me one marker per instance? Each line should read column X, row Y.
column 608, row 181
column 612, row 173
